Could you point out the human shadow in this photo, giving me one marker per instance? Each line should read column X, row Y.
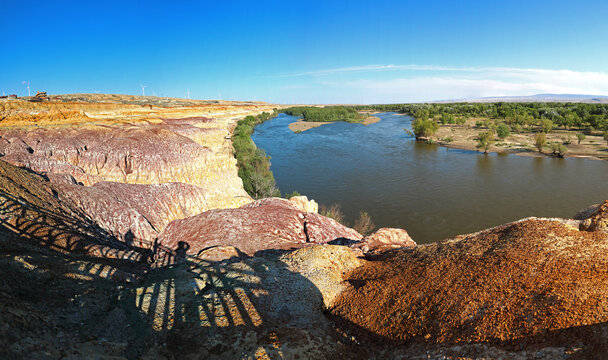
column 243, row 306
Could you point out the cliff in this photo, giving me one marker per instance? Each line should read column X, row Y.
column 125, row 233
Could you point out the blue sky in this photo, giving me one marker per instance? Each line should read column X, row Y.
column 306, row 51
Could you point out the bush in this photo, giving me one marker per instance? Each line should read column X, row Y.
column 503, row 130
column 492, row 127
column 484, row 141
column 540, row 139
column 580, row 137
column 546, row 125
column 333, row 212
column 424, row 128
column 558, row 149
column 364, row 224
column 292, row 194
column 517, row 128
column 447, row 118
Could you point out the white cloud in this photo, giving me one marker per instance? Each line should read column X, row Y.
column 433, row 82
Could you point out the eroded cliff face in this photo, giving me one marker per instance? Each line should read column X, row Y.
column 125, row 233
column 132, row 144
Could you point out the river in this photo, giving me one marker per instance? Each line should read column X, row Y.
column 431, row 191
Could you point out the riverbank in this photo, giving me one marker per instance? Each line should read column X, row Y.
column 302, row 125
column 465, row 137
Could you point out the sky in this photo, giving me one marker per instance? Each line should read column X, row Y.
column 306, row 51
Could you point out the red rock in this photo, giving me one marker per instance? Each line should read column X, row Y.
column 133, row 213
column 264, row 224
column 596, row 220
column 32, row 211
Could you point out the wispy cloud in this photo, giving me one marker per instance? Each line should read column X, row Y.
column 436, row 82
column 503, row 71
column 369, row 68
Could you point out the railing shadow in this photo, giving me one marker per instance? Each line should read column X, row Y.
column 65, row 233
column 195, row 304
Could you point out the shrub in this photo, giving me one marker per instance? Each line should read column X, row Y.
column 580, row 137
column 605, row 134
column 517, row 128
column 484, row 141
column 546, row 125
column 447, row 118
column 540, row 139
column 292, row 194
column 558, row 149
column 364, row 224
column 424, row 128
column 492, row 127
column 503, row 130
column 333, row 212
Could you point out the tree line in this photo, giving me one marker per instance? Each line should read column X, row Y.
column 325, row 114
column 253, row 163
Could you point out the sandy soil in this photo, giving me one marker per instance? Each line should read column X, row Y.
column 464, row 137
column 302, row 125
column 371, row 120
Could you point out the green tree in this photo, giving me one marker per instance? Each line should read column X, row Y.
column 540, row 139
column 485, row 141
column 424, row 128
column 605, row 133
column 503, row 130
column 580, row 137
column 546, row 125
column 558, row 149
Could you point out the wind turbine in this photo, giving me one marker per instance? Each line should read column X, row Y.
column 143, row 92
column 28, row 87
column 188, row 96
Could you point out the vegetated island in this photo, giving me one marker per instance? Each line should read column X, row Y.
column 529, row 129
column 316, row 116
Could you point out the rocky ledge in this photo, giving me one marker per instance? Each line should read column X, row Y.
column 125, row 233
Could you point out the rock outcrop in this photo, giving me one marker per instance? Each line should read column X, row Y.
column 31, row 211
column 271, row 223
column 132, row 213
column 118, row 141
column 383, row 240
column 596, row 220
column 524, row 282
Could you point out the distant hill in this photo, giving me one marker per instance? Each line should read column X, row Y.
column 578, row 98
